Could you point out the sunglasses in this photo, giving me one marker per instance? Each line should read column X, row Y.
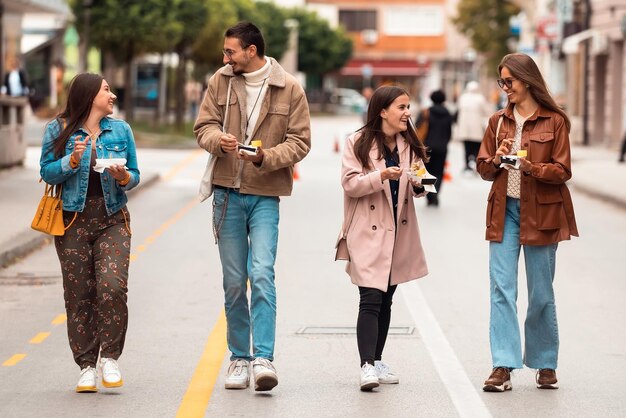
column 508, row 82
column 229, row 52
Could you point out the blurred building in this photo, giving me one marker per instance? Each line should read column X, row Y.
column 596, row 69
column 32, row 31
column 406, row 42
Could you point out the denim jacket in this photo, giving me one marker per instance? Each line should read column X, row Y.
column 116, row 141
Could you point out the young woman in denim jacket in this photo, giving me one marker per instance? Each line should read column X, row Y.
column 529, row 206
column 95, row 250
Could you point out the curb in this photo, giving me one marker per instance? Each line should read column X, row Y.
column 29, row 240
column 615, row 201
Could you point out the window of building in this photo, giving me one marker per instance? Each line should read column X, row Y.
column 358, row 20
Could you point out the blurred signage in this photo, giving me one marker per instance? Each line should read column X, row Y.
column 547, row 28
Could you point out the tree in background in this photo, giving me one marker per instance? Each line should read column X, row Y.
column 321, row 48
column 486, row 24
column 193, row 15
column 127, row 29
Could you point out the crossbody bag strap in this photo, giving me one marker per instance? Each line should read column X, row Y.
column 498, row 129
column 226, row 113
column 350, row 217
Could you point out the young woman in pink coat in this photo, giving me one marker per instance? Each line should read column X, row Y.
column 382, row 237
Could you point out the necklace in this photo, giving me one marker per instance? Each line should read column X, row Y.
column 91, row 134
column 248, row 117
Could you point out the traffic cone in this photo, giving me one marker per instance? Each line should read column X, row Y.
column 447, row 177
column 296, row 176
column 336, row 145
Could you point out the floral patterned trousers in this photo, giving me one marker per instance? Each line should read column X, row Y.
column 94, row 255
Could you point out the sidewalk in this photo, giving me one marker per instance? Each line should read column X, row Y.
column 597, row 173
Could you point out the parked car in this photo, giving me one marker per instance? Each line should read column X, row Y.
column 348, row 101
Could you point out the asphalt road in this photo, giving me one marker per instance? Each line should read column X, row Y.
column 175, row 357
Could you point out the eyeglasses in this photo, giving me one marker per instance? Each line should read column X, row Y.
column 508, row 82
column 229, row 52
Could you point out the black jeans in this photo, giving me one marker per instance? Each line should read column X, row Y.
column 372, row 324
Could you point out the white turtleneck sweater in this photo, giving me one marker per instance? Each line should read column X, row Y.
column 256, row 87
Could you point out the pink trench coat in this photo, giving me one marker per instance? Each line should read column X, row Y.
column 376, row 246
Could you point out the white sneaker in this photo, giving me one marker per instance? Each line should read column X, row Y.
column 369, row 379
column 238, row 376
column 87, row 381
column 384, row 373
column 265, row 377
column 111, row 375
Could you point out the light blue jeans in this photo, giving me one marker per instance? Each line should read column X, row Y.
column 247, row 243
column 541, row 332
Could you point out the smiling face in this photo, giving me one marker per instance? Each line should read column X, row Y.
column 395, row 117
column 518, row 92
column 103, row 102
column 236, row 56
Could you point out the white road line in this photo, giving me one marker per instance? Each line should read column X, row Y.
column 460, row 388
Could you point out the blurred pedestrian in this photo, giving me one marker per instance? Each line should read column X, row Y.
column 95, row 250
column 383, row 240
column 251, row 97
column 622, row 153
column 472, row 114
column 15, row 80
column 529, row 207
column 193, row 96
column 367, row 93
column 439, row 132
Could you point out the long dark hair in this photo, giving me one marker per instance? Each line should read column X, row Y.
column 82, row 91
column 525, row 69
column 372, row 132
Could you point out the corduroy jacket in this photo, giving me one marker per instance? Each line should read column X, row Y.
column 283, row 127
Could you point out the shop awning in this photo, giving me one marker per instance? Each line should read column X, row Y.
column 384, row 67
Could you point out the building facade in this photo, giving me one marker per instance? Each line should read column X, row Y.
column 408, row 42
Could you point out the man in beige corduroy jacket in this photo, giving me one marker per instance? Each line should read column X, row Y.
column 252, row 100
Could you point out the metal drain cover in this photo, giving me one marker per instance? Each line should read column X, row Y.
column 349, row 331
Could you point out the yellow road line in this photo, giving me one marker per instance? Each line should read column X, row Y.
column 39, row 338
column 182, row 164
column 16, row 358
column 200, row 388
column 59, row 319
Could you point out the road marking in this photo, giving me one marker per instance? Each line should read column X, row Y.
column 195, row 154
column 39, row 338
column 59, row 319
column 143, row 247
column 200, row 388
column 16, row 358
column 451, row 372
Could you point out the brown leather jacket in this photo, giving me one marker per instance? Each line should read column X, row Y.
column 546, row 210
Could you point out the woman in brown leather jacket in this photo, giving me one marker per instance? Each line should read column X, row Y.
column 529, row 206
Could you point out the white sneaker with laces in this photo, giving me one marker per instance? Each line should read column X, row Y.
column 369, row 379
column 384, row 373
column 238, row 376
column 111, row 375
column 265, row 377
column 87, row 380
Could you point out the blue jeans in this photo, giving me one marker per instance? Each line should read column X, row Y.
column 247, row 243
column 541, row 332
